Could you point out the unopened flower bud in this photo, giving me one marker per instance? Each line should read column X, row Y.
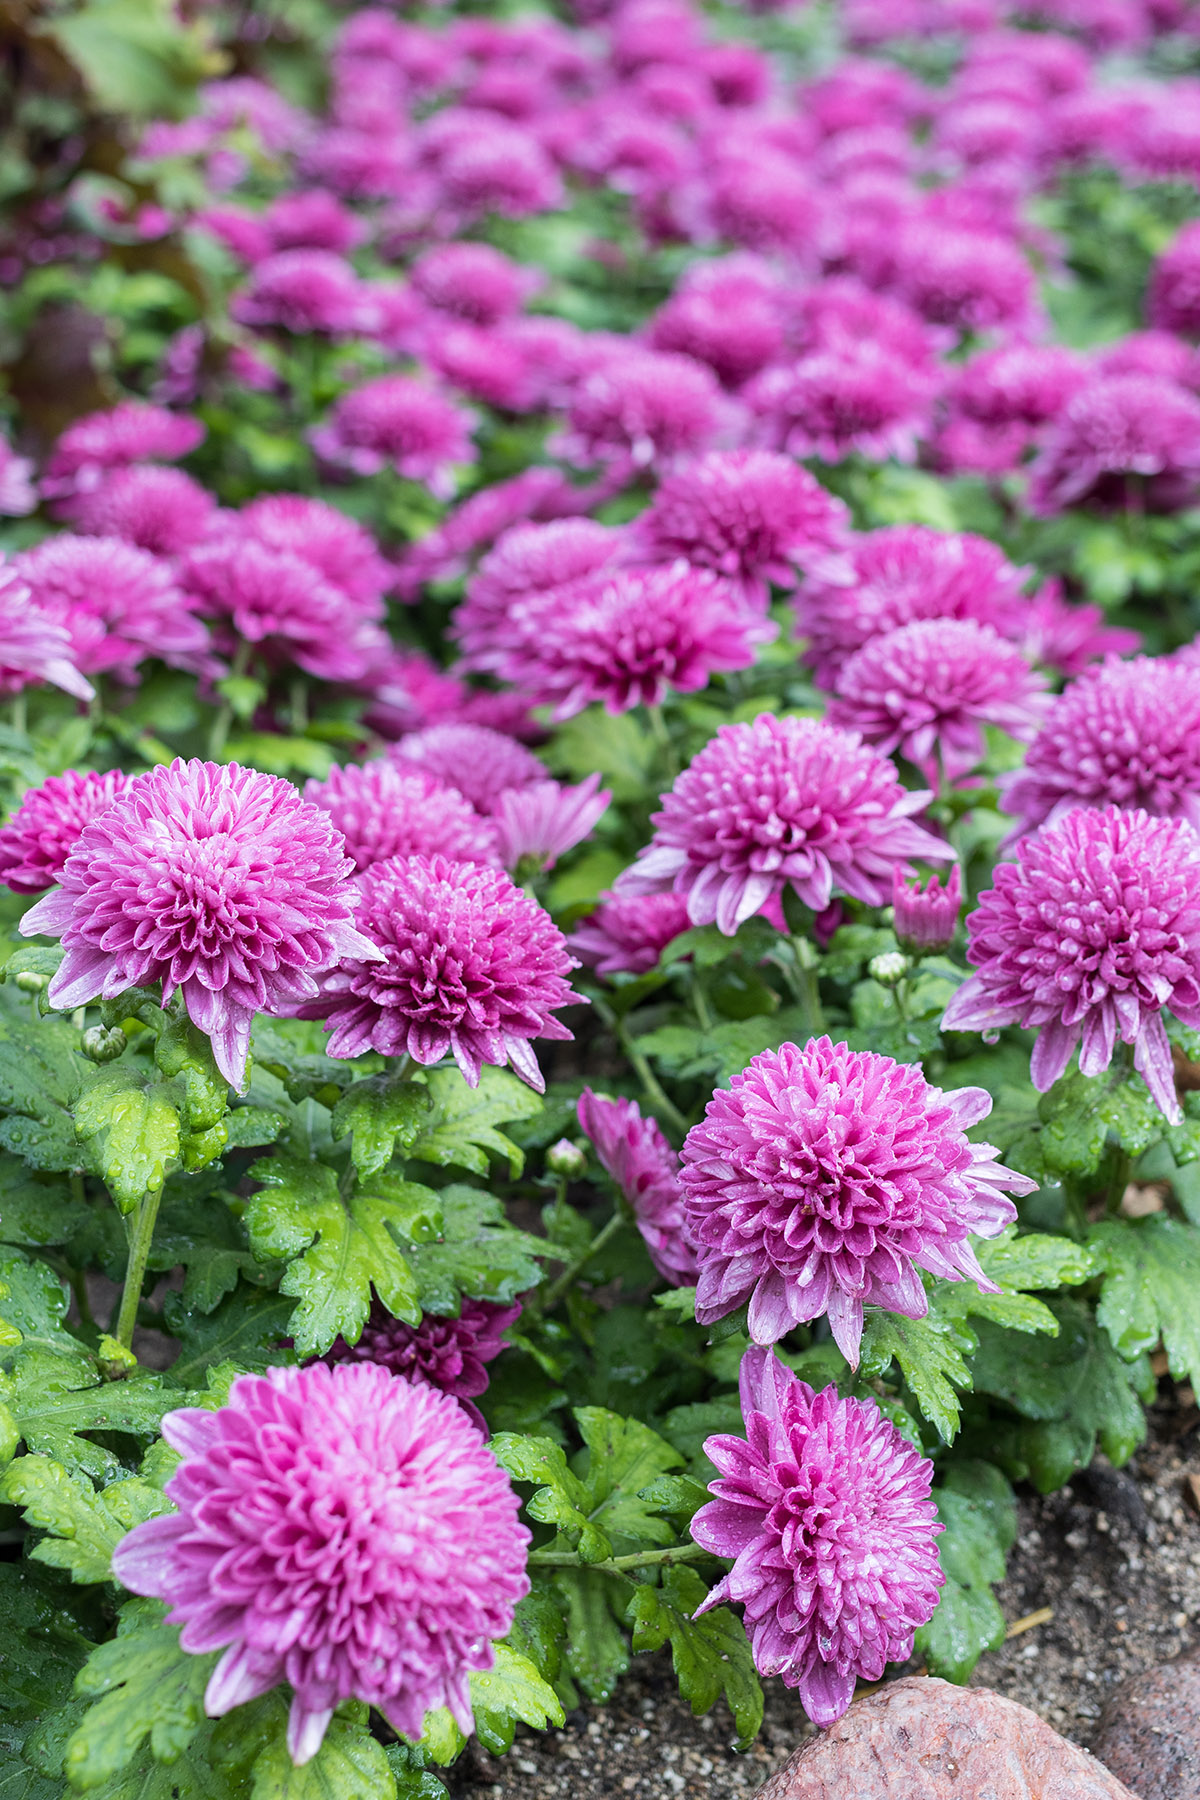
column 926, row 918
column 566, row 1158
column 30, row 982
column 102, row 1045
column 889, row 968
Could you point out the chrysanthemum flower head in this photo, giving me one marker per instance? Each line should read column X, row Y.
column 473, row 281
column 18, row 494
column 282, row 604
column 929, row 688
column 119, row 604
column 973, row 280
column 527, row 559
column 628, row 933
column 538, row 823
column 399, row 421
column 479, row 762
column 46, row 827
column 159, row 509
column 217, row 881
column 824, row 1177
column 302, row 291
column 781, row 803
column 1173, row 298
column 470, row 966
column 1069, row 637
column 635, row 1153
column 734, row 325
column 33, row 646
column 827, row 1510
column 1122, row 440
column 766, row 202
column 1085, row 938
column 1157, row 353
column 1126, row 733
column 312, row 219
column 843, row 398
column 644, row 408
column 339, row 547
column 925, row 918
column 391, row 808
column 450, row 1354
column 133, row 432
column 1024, row 384
column 340, row 1529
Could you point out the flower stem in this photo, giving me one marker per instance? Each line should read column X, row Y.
column 654, row 1090
column 19, row 715
column 140, row 1239
column 662, row 738
column 618, row 1565
column 559, row 1286
column 219, row 734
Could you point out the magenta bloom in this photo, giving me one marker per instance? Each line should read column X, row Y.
column 338, row 547
column 635, row 1153
column 628, row 933
column 929, row 688
column 218, row 881
column 1126, row 734
column 389, row 808
column 473, row 282
column 827, row 1509
column 824, row 1177
column 342, row 1530
column 399, row 422
column 482, row 764
column 312, row 219
column 1124, row 441
column 477, row 522
column 448, row 1354
column 528, row 559
column 1019, row 384
column 301, row 291
column 765, row 202
column 161, row 510
column 849, row 397
column 1068, row 638
column 628, row 637
column 462, row 963
column 18, row 495
column 779, row 803
column 926, row 918
column 281, row 603
column 33, row 646
column 539, row 823
column 133, row 432
column 899, row 574
column 36, row 842
column 642, row 409
column 118, row 604
column 1173, row 299
column 747, row 514
column 731, row 320
column 972, row 280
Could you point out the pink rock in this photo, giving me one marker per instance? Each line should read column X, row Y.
column 1150, row 1730
column 923, row 1739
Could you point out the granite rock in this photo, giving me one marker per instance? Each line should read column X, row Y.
column 1150, row 1731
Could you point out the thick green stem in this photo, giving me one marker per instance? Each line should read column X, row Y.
column 19, row 714
column 140, row 1239
column 573, row 1270
column 221, row 724
column 807, row 988
column 618, row 1565
column 662, row 738
column 655, row 1092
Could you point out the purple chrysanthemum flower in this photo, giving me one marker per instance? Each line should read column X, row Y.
column 902, row 573
column 827, row 1509
column 1088, row 935
column 730, row 321
column 389, row 808
column 1173, row 297
column 396, row 421
column 342, row 1530
column 1123, row 441
column 842, row 398
column 468, row 965
column 973, row 280
column 477, row 522
column 528, row 559
column 779, row 803
column 1124, row 734
column 448, row 1354
column 341, row 549
column 926, row 918
column 635, row 1153
column 473, row 282
column 135, row 431
column 824, row 1177
column 159, row 509
column 18, row 495
column 628, row 933
column 642, row 409
column 301, row 291
column 33, row 646
column 929, row 688
column 312, row 219
column 628, row 637
column 540, row 822
column 482, row 764
column 119, row 604
column 36, row 842
column 218, row 881
column 1068, row 638
column 281, row 603
column 1018, row 384
column 749, row 515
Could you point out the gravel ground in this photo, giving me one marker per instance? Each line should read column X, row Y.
column 1116, row 1555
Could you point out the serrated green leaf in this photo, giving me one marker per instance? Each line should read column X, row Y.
column 39, row 1080
column 1151, row 1288
column 33, row 1301
column 968, row 1619
column 56, row 1399
column 383, row 1113
column 461, row 1128
column 249, row 1127
column 930, row 1354
column 596, row 1651
column 687, row 1427
column 1082, row 1113
column 561, row 1495
column 246, row 1328
column 478, row 1254
column 85, row 1527
column 131, row 1128
column 1036, row 1260
column 43, row 1643
column 411, row 1783
column 182, row 1050
column 350, row 1765
column 511, row 1692
column 623, row 1457
column 34, row 1211
column 537, row 1630
column 142, row 1685
column 710, row 1655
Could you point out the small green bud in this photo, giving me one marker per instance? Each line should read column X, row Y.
column 889, row 968
column 116, row 1362
column 566, row 1158
column 103, row 1044
column 31, row 983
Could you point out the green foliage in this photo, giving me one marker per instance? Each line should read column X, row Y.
column 131, row 1126
column 977, row 1509
column 461, row 1129
column 141, row 1684
column 84, row 1526
column 1151, row 1289
column 710, row 1655
column 929, row 1353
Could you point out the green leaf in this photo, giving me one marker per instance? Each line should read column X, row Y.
column 596, row 1650
column 624, row 1457
column 182, row 1050
column 461, row 1126
column 134, row 55
column 143, row 1685
column 34, row 1212
column 33, row 1301
column 39, row 1080
column 561, row 1495
column 132, row 1129
column 1037, row 1260
column 85, row 1526
column 43, row 1644
column 930, row 1354
column 58, row 1398
column 247, row 1328
column 1082, row 1113
column 979, row 1528
column 710, row 1655
column 382, row 1112
column 478, row 1254
column 350, row 1765
column 614, row 745
column 508, row 1693
column 1151, row 1288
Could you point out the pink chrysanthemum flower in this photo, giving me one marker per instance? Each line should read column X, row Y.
column 302, row 291
column 339, row 547
column 827, row 1509
column 495, row 167
column 540, row 822
column 343, row 1530
column 628, row 933
column 1088, row 936
column 635, row 1153
column 527, row 560
column 847, row 397
column 480, row 763
column 748, row 514
column 1158, row 353
column 33, row 646
column 448, row 1354
column 929, row 688
column 1125, row 442
column 824, row 1177
column 474, row 282
column 733, row 324
column 281, row 603
column 133, row 432
column 161, row 510
column 630, row 637
column 1019, row 384
column 775, row 804
column 18, row 495
column 399, row 422
column 218, row 881
column 764, row 201
column 119, row 604
column 312, row 219
column 925, row 918
column 899, row 574
column 471, row 967
column 1124, row 734
column 36, row 842
column 477, row 522
column 389, row 808
column 972, row 280
column 1068, row 638
column 643, row 408
column 1173, row 297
